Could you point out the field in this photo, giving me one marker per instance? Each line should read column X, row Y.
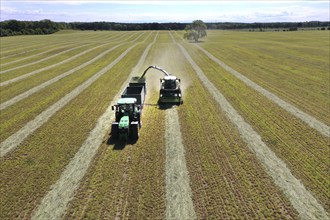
column 251, row 140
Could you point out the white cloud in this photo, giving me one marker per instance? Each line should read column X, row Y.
column 224, row 11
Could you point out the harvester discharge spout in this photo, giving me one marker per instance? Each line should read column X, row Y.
column 157, row 68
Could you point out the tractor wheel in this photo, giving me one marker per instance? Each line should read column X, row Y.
column 114, row 131
column 135, row 131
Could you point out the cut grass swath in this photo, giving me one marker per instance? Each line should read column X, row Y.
column 301, row 199
column 303, row 149
column 51, row 147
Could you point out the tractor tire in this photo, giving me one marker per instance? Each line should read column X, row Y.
column 134, row 129
column 114, row 130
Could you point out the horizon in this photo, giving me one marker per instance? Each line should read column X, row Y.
column 165, row 11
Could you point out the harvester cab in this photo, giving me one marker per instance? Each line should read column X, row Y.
column 170, row 91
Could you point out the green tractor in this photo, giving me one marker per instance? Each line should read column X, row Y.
column 127, row 122
column 128, row 111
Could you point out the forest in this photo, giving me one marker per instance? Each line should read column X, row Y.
column 15, row 27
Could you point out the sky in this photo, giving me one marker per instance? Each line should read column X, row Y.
column 165, row 11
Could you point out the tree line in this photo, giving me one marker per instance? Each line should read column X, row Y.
column 269, row 25
column 15, row 27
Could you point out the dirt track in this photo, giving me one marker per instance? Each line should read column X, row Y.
column 14, row 140
column 54, row 204
column 54, row 65
column 311, row 121
column 302, row 200
column 179, row 203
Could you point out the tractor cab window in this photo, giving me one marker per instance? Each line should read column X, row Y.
column 127, row 107
column 124, row 108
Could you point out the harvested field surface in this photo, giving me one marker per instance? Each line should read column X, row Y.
column 197, row 160
column 287, row 136
column 294, row 66
column 28, row 172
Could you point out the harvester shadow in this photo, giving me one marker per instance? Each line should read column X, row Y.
column 119, row 144
column 161, row 106
column 166, row 106
column 194, row 42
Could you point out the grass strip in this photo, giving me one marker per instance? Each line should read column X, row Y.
column 41, row 60
column 17, row 116
column 28, row 173
column 294, row 66
column 179, row 204
column 10, row 91
column 10, row 78
column 41, row 50
column 14, row 140
column 302, row 148
column 55, row 79
column 55, row 202
column 308, row 119
column 301, row 199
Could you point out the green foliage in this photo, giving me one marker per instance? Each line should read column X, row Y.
column 195, row 31
column 14, row 27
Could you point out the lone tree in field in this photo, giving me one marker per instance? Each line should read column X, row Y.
column 195, row 31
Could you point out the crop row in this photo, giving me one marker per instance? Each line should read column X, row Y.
column 54, row 59
column 227, row 180
column 129, row 178
column 303, row 149
column 13, row 89
column 294, row 66
column 28, row 45
column 128, row 181
column 19, row 114
column 29, row 171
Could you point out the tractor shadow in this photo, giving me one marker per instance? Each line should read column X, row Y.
column 119, row 144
